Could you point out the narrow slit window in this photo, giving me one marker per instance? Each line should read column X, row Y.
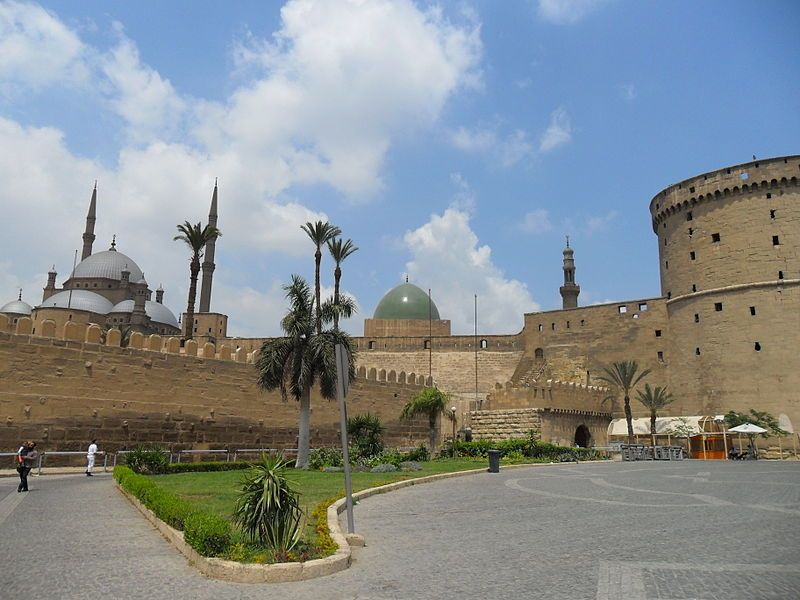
column 553, row 326
column 696, row 318
column 776, row 240
column 772, row 214
column 753, row 311
column 660, row 356
column 715, row 238
column 691, row 231
column 692, row 255
column 658, row 333
column 694, row 287
column 689, row 216
column 718, row 306
column 583, row 322
column 697, row 351
column 666, row 264
column 757, row 346
column 780, row 274
column 769, row 195
column 541, row 327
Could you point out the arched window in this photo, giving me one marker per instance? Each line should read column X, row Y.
column 372, row 345
column 484, row 344
column 538, row 354
column 427, row 344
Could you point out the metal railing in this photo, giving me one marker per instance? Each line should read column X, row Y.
column 174, row 457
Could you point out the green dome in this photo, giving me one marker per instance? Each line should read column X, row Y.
column 406, row 301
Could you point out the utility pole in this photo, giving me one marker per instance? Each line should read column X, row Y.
column 477, row 402
column 430, row 335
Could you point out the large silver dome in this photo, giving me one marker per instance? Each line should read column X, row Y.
column 108, row 264
column 158, row 313
column 16, row 307
column 80, row 300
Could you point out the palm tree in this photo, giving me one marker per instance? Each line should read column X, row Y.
column 339, row 250
column 430, row 402
column 622, row 375
column 320, row 233
column 196, row 237
column 654, row 399
column 295, row 362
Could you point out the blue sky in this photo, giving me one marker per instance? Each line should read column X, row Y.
column 457, row 142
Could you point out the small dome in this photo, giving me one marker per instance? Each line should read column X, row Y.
column 79, row 300
column 16, row 307
column 158, row 313
column 108, row 265
column 406, row 301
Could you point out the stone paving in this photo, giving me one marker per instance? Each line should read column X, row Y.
column 633, row 531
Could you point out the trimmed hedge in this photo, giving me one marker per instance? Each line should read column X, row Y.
column 201, row 467
column 209, row 534
column 528, row 447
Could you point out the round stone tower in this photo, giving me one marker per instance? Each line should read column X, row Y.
column 729, row 251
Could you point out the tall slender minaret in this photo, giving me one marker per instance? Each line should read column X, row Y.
column 570, row 290
column 91, row 217
column 208, row 260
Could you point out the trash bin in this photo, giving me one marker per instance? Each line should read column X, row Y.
column 494, row 461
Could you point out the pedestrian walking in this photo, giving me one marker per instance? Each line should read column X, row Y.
column 26, row 457
column 90, row 457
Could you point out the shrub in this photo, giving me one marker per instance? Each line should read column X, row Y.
column 319, row 520
column 386, row 457
column 384, row 468
column 418, row 454
column 268, row 509
column 514, row 455
column 148, row 460
column 366, row 433
column 209, row 534
column 320, row 458
column 200, row 467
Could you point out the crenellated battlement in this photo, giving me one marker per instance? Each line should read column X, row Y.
column 757, row 175
column 552, row 394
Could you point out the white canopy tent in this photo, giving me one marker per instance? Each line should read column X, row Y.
column 664, row 425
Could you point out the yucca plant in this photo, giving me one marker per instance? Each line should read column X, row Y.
column 268, row 509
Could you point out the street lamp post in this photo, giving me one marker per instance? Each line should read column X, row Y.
column 453, row 416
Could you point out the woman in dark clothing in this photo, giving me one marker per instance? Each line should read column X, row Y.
column 27, row 456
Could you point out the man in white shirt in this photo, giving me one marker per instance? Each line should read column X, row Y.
column 90, row 457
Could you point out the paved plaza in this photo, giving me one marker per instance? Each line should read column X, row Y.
column 634, row 531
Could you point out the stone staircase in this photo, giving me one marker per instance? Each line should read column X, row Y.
column 505, row 424
column 528, row 371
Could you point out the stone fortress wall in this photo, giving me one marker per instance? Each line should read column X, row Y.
column 62, row 391
column 729, row 250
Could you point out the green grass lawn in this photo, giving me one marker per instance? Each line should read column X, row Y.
column 217, row 491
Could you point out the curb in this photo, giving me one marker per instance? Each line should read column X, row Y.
column 228, row 570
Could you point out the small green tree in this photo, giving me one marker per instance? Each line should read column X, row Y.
column 622, row 376
column 195, row 237
column 654, row 399
column 756, row 417
column 268, row 509
column 366, row 433
column 430, row 402
column 682, row 428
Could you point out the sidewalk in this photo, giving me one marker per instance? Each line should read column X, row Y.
column 52, row 471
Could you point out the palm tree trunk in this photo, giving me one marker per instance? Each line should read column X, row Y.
column 318, row 261
column 337, row 275
column 653, row 426
column 303, row 430
column 432, row 432
column 629, row 418
column 194, row 271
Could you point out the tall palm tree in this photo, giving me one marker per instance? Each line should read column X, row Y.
column 430, row 402
column 654, row 399
column 196, row 237
column 320, row 233
column 622, row 375
column 295, row 362
column 339, row 250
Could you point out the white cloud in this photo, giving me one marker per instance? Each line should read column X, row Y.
column 628, row 92
column 447, row 257
column 507, row 151
column 36, row 49
column 558, row 132
column 601, row 223
column 536, row 221
column 567, row 12
column 322, row 103
column 147, row 102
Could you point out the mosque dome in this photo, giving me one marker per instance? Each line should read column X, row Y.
column 406, row 301
column 108, row 265
column 16, row 307
column 79, row 300
column 158, row 313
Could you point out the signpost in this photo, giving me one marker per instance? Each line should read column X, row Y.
column 342, row 384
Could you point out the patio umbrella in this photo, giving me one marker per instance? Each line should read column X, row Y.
column 748, row 428
column 751, row 430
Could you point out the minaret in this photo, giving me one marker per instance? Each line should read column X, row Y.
column 570, row 290
column 50, row 288
column 91, row 217
column 160, row 294
column 208, row 260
